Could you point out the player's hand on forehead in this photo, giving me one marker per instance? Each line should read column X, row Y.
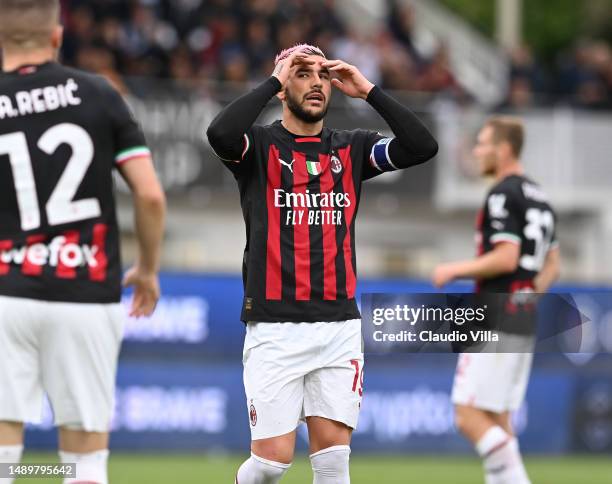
column 347, row 78
column 338, row 66
column 293, row 62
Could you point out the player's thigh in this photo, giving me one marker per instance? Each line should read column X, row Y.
column 21, row 393
column 81, row 442
column 277, row 449
column 80, row 352
column 473, row 422
column 276, row 357
column 334, row 391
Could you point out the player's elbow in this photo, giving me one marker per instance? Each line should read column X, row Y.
column 213, row 134
column 507, row 257
column 510, row 264
column 427, row 149
column 152, row 197
column 430, row 148
column 221, row 142
column 217, row 137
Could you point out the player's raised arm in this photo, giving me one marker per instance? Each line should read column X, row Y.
column 413, row 143
column 227, row 133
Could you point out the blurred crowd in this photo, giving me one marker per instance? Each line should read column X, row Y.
column 235, row 41
column 581, row 77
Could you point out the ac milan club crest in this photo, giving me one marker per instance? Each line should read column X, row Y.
column 336, row 164
column 253, row 415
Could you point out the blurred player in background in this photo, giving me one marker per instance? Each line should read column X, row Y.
column 517, row 252
column 300, row 185
column 62, row 133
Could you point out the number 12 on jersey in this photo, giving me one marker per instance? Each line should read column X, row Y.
column 60, row 208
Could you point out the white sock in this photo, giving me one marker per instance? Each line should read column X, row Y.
column 501, row 457
column 256, row 470
column 331, row 465
column 90, row 467
column 10, row 454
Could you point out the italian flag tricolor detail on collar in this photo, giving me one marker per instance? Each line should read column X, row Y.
column 313, row 167
column 131, row 153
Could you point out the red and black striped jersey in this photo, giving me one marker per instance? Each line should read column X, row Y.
column 516, row 210
column 62, row 132
column 300, row 197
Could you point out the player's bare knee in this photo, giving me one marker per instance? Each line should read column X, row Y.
column 11, row 433
column 503, row 420
column 465, row 418
column 74, row 439
column 460, row 418
column 276, row 450
column 325, row 433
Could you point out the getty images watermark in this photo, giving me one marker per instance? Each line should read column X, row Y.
column 485, row 323
column 412, row 316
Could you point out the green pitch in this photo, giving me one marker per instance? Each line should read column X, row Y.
column 176, row 469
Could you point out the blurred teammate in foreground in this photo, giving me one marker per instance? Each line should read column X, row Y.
column 62, row 133
column 300, row 185
column 517, row 252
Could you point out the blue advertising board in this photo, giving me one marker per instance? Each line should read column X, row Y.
column 180, row 382
column 189, row 406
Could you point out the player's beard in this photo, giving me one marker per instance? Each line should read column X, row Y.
column 299, row 112
column 488, row 166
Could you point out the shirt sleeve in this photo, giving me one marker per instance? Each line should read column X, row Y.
column 236, row 166
column 376, row 155
column 412, row 143
column 129, row 140
column 503, row 215
column 230, row 134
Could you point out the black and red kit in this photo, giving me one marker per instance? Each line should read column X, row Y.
column 62, row 133
column 516, row 210
column 300, row 196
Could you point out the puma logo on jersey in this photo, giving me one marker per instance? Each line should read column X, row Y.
column 288, row 165
column 497, row 204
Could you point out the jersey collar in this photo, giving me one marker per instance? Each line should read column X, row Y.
column 298, row 138
column 28, row 69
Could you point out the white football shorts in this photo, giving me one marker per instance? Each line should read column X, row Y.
column 69, row 351
column 298, row 370
column 496, row 382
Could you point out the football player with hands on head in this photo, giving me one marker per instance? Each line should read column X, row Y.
column 300, row 184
